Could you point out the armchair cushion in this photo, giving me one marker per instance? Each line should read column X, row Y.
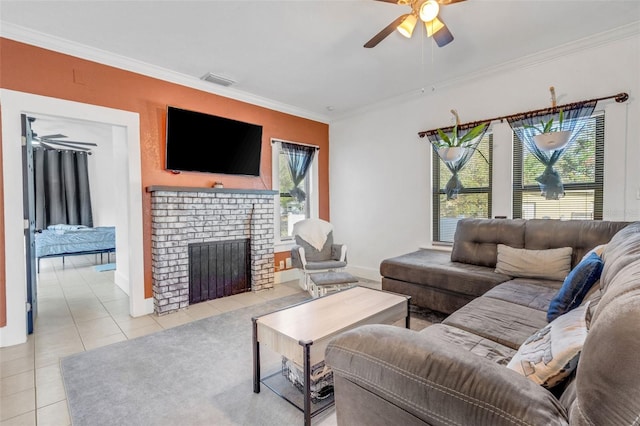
column 311, row 253
column 326, row 264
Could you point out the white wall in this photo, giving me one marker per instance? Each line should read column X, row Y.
column 102, row 176
column 381, row 170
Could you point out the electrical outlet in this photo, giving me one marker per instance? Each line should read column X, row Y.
column 281, row 264
column 288, row 262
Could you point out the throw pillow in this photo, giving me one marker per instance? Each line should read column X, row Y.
column 551, row 354
column 551, row 264
column 576, row 286
column 597, row 250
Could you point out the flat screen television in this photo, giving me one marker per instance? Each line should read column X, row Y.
column 198, row 142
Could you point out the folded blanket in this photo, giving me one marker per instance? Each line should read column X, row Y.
column 313, row 231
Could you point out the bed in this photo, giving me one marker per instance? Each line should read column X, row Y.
column 74, row 240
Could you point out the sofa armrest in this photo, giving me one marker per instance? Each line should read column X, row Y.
column 339, row 252
column 298, row 259
column 436, row 381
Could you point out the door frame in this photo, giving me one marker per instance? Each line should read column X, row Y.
column 126, row 133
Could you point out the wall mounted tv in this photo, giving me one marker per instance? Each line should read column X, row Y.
column 198, row 142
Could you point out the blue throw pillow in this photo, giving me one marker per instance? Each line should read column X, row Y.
column 576, row 286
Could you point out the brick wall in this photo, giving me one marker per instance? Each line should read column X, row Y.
column 180, row 216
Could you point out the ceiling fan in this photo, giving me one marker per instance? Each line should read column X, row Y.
column 425, row 10
column 53, row 142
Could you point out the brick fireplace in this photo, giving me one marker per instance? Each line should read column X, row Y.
column 181, row 216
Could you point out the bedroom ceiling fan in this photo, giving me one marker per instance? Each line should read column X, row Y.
column 424, row 10
column 53, row 142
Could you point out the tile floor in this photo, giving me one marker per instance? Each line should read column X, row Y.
column 81, row 309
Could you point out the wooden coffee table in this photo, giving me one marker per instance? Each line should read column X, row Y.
column 301, row 332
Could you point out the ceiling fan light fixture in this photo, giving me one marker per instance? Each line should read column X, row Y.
column 407, row 26
column 429, row 10
column 433, row 26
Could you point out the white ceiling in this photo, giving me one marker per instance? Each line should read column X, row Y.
column 308, row 54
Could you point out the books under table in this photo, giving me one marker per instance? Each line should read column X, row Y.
column 321, row 382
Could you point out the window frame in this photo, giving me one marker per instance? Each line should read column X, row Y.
column 437, row 191
column 312, row 195
column 597, row 186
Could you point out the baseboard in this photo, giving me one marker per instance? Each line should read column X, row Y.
column 286, row 275
column 148, row 306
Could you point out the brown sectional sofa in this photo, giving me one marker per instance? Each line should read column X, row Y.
column 445, row 282
column 454, row 373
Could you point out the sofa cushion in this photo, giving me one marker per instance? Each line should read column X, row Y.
column 476, row 240
column 434, row 268
column 477, row 345
column 576, row 286
column 551, row 354
column 504, row 322
column 528, row 292
column 552, row 264
column 581, row 235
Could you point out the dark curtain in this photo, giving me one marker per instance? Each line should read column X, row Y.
column 299, row 159
column 61, row 188
column 575, row 118
column 454, row 185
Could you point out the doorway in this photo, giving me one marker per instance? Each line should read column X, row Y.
column 125, row 136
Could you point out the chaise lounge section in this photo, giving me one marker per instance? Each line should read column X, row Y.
column 456, row 372
column 445, row 281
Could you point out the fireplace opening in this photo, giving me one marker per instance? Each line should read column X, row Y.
column 218, row 269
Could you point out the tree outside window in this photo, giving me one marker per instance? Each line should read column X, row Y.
column 292, row 209
column 474, row 200
column 581, row 169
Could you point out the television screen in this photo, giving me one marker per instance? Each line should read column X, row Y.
column 200, row 142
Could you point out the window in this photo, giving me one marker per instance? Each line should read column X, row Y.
column 295, row 202
column 581, row 169
column 474, row 200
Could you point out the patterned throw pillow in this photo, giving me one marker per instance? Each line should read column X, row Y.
column 576, row 286
column 552, row 353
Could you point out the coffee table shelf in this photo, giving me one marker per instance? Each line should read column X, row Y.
column 286, row 390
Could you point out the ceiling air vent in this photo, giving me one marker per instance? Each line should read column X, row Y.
column 216, row 79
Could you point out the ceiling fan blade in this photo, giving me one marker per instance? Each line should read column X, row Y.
column 385, row 32
column 443, row 36
column 73, row 142
column 388, row 1
column 56, row 136
column 446, row 2
column 48, row 143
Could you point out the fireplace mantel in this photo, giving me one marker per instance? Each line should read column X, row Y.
column 155, row 188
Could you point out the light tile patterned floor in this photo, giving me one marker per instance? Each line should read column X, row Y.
column 80, row 309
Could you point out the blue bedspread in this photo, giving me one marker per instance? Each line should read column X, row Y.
column 58, row 242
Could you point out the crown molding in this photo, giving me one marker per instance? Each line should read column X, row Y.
column 61, row 45
column 528, row 61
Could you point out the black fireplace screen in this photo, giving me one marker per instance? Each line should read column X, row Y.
column 219, row 269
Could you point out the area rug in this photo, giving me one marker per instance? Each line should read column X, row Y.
column 105, row 267
column 425, row 314
column 195, row 374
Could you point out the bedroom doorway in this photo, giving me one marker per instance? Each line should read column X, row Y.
column 125, row 136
